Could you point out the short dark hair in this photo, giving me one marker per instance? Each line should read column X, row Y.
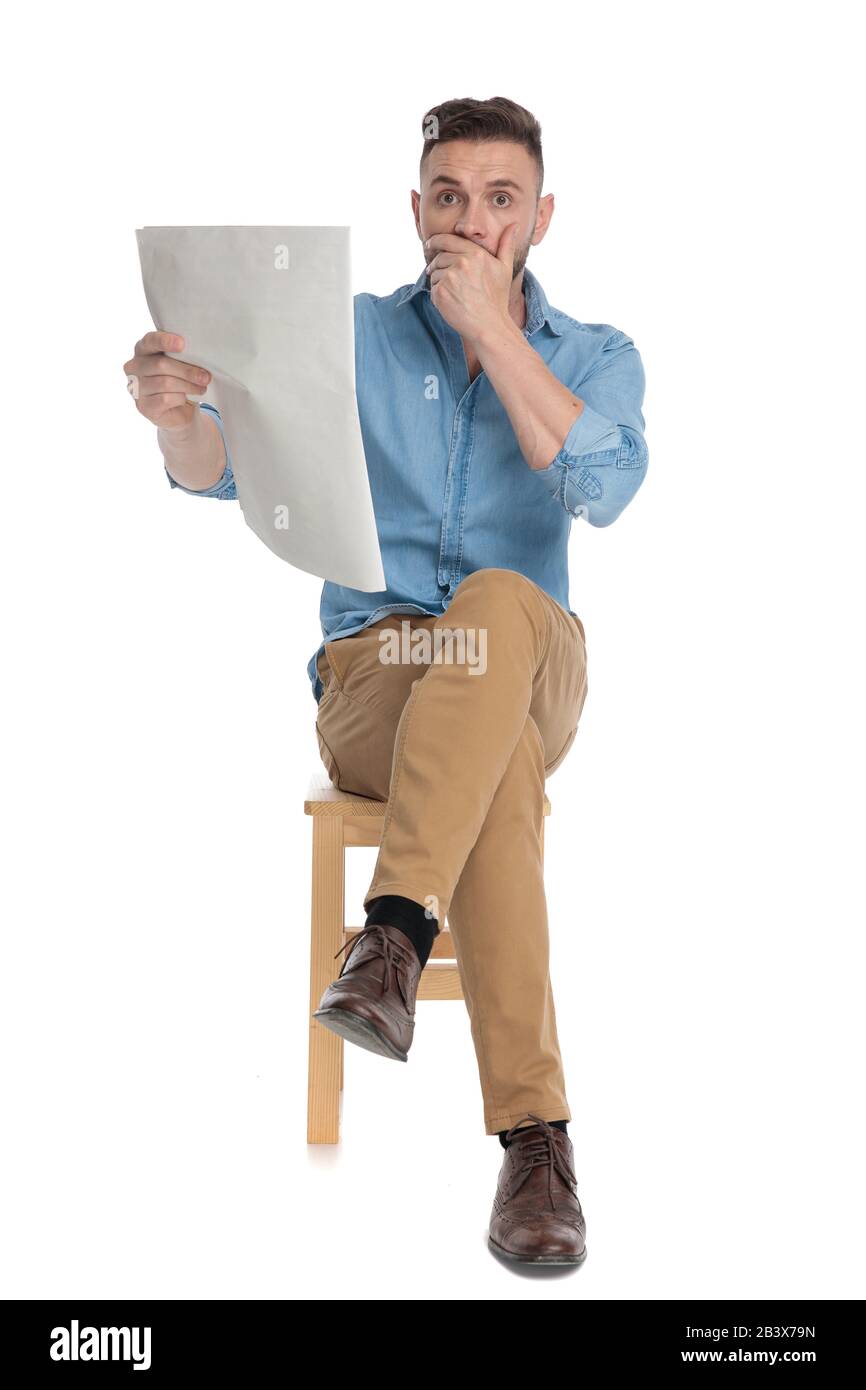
column 495, row 119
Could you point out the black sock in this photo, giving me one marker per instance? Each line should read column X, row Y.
column 557, row 1124
column 411, row 919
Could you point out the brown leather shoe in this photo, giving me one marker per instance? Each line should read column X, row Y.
column 536, row 1216
column 372, row 1002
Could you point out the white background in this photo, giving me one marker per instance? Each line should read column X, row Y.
column 702, row 854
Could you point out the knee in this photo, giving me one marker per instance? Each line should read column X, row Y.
column 491, row 597
column 491, row 581
column 491, row 577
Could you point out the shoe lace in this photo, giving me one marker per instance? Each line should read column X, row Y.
column 396, row 959
column 538, row 1150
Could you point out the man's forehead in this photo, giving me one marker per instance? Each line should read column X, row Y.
column 479, row 160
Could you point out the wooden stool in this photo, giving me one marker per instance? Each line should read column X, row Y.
column 339, row 821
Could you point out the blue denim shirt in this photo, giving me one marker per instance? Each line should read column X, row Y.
column 452, row 492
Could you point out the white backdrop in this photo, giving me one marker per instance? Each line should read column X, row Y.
column 707, row 935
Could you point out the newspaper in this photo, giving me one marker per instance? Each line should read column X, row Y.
column 269, row 311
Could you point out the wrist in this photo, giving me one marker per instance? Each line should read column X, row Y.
column 501, row 333
column 183, row 434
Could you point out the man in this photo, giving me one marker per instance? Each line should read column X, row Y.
column 490, row 420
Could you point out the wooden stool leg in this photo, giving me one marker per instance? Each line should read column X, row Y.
column 325, row 1070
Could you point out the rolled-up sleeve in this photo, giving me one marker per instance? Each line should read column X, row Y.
column 604, row 457
column 225, row 486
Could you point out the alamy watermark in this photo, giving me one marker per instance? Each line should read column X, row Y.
column 76, row 1343
column 458, row 646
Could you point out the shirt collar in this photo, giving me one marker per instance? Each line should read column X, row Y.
column 538, row 310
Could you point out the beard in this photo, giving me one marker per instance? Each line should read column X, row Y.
column 520, row 259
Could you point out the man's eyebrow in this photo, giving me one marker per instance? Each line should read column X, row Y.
column 491, row 183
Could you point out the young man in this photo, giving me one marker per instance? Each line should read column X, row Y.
column 490, row 420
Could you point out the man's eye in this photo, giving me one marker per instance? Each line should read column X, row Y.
column 446, row 195
column 505, row 196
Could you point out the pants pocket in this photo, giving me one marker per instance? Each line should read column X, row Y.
column 328, row 758
column 560, row 756
column 328, row 673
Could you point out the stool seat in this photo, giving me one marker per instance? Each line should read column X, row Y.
column 342, row 820
column 324, row 799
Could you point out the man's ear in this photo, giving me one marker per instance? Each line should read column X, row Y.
column 542, row 218
column 416, row 212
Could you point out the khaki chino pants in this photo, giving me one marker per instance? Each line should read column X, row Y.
column 458, row 741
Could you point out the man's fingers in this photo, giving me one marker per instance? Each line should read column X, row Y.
column 441, row 260
column 154, row 407
column 449, row 241
column 158, row 342
column 159, row 365
column 153, row 385
column 507, row 242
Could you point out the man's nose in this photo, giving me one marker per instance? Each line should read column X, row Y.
column 471, row 225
